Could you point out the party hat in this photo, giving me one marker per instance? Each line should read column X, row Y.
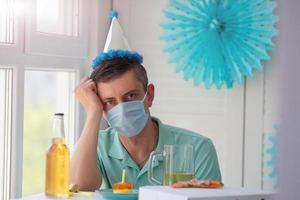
column 116, row 38
column 116, row 44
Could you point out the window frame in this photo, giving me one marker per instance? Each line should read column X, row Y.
column 9, row 23
column 18, row 34
column 35, row 40
column 7, row 146
column 17, row 112
column 14, row 55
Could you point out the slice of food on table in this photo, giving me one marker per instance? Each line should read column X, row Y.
column 195, row 183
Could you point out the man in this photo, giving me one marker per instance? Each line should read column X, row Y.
column 118, row 90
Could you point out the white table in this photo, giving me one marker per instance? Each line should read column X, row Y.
column 168, row 193
column 225, row 193
column 42, row 196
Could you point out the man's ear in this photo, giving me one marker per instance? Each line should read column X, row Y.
column 150, row 95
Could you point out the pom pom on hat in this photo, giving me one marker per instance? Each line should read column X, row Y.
column 120, row 53
column 113, row 14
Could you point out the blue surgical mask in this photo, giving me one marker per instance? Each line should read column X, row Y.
column 128, row 118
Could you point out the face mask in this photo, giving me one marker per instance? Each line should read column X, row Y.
column 128, row 118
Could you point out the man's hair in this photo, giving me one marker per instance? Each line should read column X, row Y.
column 114, row 68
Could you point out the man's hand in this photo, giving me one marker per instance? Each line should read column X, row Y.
column 86, row 93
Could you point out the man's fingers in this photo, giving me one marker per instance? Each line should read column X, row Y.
column 84, row 79
column 92, row 85
column 86, row 84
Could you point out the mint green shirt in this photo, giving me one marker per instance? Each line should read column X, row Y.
column 112, row 157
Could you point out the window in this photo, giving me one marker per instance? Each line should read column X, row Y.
column 52, row 25
column 5, row 130
column 6, row 21
column 46, row 43
column 40, row 104
column 57, row 17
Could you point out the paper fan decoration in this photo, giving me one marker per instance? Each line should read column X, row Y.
column 218, row 41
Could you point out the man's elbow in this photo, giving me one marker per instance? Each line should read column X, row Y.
column 85, row 185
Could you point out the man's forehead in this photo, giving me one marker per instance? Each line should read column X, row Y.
column 119, row 86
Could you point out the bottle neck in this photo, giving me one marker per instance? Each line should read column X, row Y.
column 58, row 127
column 58, row 140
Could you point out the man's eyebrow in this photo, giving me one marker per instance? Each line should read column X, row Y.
column 131, row 91
column 113, row 98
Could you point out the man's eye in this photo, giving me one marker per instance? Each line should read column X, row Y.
column 108, row 102
column 130, row 96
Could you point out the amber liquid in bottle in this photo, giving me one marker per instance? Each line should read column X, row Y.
column 58, row 163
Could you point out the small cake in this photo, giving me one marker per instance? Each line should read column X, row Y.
column 122, row 187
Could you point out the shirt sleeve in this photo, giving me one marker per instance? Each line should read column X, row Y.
column 100, row 167
column 206, row 162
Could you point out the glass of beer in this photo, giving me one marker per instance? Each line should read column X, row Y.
column 178, row 164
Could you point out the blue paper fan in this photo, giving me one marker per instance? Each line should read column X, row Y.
column 218, row 41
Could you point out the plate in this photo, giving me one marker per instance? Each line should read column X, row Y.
column 107, row 194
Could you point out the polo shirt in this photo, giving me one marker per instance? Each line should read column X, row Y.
column 112, row 157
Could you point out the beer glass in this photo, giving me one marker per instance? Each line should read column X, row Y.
column 178, row 164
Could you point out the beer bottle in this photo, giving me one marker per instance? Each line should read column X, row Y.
column 58, row 161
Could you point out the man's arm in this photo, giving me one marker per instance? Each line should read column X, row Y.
column 84, row 170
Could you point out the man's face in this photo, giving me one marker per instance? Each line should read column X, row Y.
column 123, row 89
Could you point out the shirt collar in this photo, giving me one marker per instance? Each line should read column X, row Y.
column 116, row 149
column 164, row 137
